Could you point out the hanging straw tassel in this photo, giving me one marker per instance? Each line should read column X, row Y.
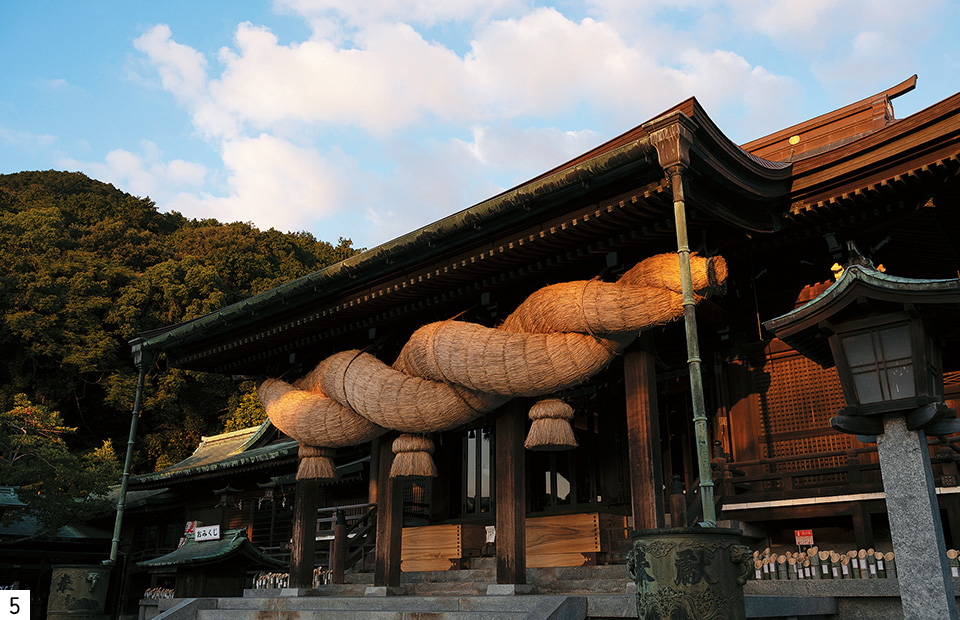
column 412, row 457
column 551, row 426
column 316, row 464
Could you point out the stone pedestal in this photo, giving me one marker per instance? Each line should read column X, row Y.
column 925, row 585
column 689, row 572
column 78, row 592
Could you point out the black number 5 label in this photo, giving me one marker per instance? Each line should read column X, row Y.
column 14, row 604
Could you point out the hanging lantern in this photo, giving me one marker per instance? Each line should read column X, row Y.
column 226, row 496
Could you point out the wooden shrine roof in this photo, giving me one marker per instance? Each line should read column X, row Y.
column 613, row 201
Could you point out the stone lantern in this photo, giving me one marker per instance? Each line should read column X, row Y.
column 884, row 335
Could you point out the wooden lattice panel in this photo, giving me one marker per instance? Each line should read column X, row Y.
column 796, row 399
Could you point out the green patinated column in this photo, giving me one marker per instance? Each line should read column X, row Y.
column 693, row 349
column 141, row 358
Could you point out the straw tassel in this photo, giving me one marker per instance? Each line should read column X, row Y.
column 412, row 457
column 316, row 463
column 551, row 426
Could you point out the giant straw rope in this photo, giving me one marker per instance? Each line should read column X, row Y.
column 451, row 372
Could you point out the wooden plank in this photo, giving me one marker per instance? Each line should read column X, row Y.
column 440, row 546
column 547, row 560
column 613, row 529
column 472, row 540
column 429, row 565
column 643, row 437
column 511, row 498
column 432, row 541
column 304, row 539
column 389, row 522
column 575, row 533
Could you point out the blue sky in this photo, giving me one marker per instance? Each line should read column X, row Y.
column 369, row 119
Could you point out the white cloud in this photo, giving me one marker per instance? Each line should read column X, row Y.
column 390, row 82
column 855, row 47
column 143, row 174
column 427, row 12
column 541, row 64
column 182, row 69
column 507, row 148
column 268, row 107
column 21, row 138
column 272, row 183
column 433, row 179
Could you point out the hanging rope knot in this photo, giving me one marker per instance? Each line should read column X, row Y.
column 551, row 428
column 316, row 463
column 716, row 275
column 412, row 457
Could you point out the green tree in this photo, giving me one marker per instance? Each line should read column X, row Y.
column 58, row 486
column 248, row 411
column 84, row 267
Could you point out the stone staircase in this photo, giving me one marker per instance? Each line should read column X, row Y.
column 552, row 594
column 594, row 592
column 604, row 579
column 398, row 608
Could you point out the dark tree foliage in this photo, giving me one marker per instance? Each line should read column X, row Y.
column 58, row 486
column 84, row 267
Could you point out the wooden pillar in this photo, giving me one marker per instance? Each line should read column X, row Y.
column 374, row 470
column 511, row 498
column 952, row 507
column 643, row 437
column 304, row 543
column 862, row 526
column 338, row 548
column 744, row 417
column 389, row 521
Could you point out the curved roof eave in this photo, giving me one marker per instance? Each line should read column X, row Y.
column 728, row 168
column 413, row 246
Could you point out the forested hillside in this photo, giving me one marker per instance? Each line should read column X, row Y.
column 84, row 267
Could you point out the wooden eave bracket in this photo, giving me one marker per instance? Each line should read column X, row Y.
column 672, row 136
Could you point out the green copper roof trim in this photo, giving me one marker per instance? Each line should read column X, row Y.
column 876, row 281
column 192, row 553
column 801, row 328
column 412, row 247
column 251, row 457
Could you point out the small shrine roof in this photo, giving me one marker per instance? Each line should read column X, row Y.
column 225, row 451
column 231, row 545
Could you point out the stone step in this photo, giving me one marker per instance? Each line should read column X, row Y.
column 583, row 586
column 398, row 608
column 219, row 614
column 381, row 603
column 560, row 573
column 477, row 576
column 611, row 578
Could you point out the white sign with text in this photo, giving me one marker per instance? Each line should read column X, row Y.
column 207, row 532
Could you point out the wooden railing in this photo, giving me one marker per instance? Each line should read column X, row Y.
column 351, row 532
column 791, row 477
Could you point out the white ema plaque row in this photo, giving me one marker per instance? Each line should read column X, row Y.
column 207, row 532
